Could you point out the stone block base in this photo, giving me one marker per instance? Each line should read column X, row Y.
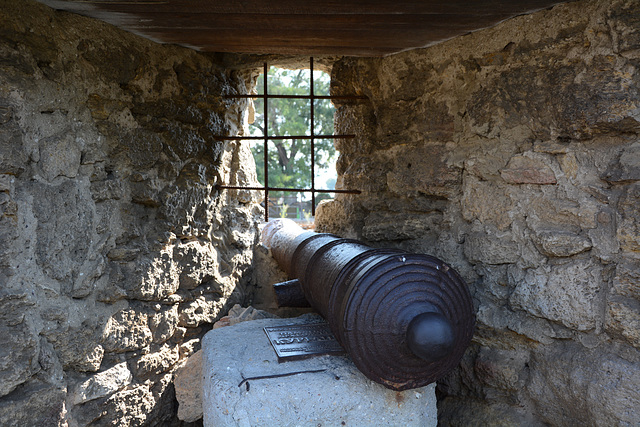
column 244, row 386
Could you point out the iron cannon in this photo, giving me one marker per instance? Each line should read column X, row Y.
column 405, row 319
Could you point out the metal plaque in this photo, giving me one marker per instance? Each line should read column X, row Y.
column 294, row 342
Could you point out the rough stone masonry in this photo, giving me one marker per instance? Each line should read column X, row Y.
column 116, row 250
column 513, row 154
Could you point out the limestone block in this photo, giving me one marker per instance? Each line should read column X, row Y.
column 6, row 183
column 527, row 170
column 490, row 248
column 240, row 238
column 434, row 175
column 179, row 203
column 157, row 362
column 235, row 357
column 570, row 294
column 613, row 395
column 204, row 309
column 474, row 412
column 146, row 193
column 159, row 278
column 626, row 281
column 604, row 237
column 103, row 383
column 536, row 329
column 130, row 406
column 502, row 369
column 626, row 167
column 6, row 112
column 123, row 254
column 239, row 314
column 188, row 379
column 623, row 319
column 163, row 324
column 550, row 209
column 334, row 217
column 144, row 146
column 77, row 348
column 486, row 202
column 625, row 20
column 399, row 226
column 37, row 405
column 88, row 273
column 150, row 277
column 92, row 360
column 126, row 330
column 19, row 345
column 557, row 243
column 570, row 165
column 107, row 190
column 7, row 206
column 426, row 118
column 9, row 231
column 188, row 384
column 368, row 173
column 197, row 262
column 485, row 162
column 629, row 225
column 60, row 156
column 583, row 387
column 551, row 147
column 495, row 280
column 242, row 162
column 148, row 403
column 65, row 221
column 13, row 157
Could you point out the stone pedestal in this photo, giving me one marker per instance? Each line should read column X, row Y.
column 244, row 385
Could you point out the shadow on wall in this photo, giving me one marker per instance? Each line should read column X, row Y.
column 117, row 253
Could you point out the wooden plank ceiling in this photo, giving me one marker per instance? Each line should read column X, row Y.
column 329, row 27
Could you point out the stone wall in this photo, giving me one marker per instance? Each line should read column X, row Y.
column 116, row 250
column 513, row 154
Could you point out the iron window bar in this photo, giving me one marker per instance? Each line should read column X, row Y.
column 265, row 138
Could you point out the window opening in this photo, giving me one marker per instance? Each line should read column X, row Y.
column 304, row 139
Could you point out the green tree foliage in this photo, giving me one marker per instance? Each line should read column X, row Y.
column 289, row 160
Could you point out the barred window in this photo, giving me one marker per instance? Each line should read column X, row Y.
column 292, row 139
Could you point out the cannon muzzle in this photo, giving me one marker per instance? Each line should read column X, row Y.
column 405, row 319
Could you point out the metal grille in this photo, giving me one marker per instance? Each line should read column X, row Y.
column 265, row 138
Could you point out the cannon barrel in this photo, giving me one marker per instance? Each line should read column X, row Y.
column 405, row 319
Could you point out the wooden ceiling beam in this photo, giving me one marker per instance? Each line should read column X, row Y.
column 210, row 21
column 325, row 7
column 330, row 27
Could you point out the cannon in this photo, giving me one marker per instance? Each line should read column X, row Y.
column 405, row 319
